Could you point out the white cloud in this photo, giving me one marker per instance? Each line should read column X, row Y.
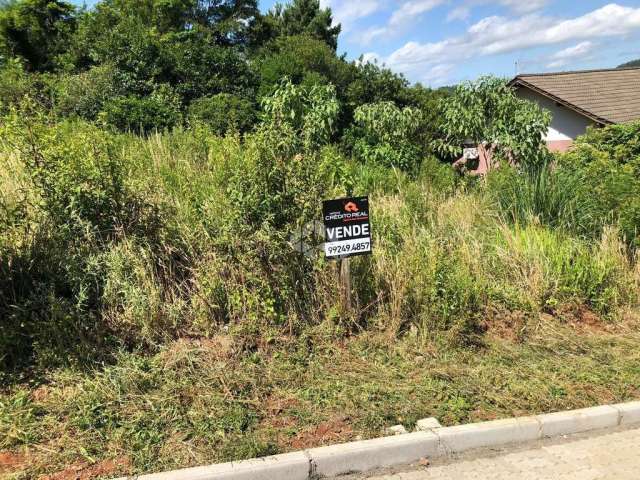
column 438, row 75
column 407, row 13
column 577, row 52
column 495, row 35
column 459, row 13
column 524, row 6
column 409, row 10
column 347, row 13
column 370, row 34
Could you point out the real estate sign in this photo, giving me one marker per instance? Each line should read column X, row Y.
column 347, row 227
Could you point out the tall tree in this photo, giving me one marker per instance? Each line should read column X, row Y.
column 36, row 31
column 300, row 17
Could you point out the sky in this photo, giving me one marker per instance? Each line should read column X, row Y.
column 443, row 42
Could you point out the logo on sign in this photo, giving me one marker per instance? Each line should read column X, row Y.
column 350, row 207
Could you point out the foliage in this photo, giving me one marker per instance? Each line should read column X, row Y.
column 304, row 60
column 593, row 185
column 142, row 115
column 386, row 134
column 620, row 142
column 85, row 94
column 300, row 17
column 223, row 112
column 306, row 113
column 36, row 31
column 608, row 162
column 487, row 110
column 15, row 84
column 147, row 261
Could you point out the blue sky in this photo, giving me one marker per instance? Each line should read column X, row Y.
column 440, row 42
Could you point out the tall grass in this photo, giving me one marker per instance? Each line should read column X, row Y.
column 123, row 241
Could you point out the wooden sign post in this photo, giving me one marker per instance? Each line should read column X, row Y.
column 345, row 284
column 347, row 234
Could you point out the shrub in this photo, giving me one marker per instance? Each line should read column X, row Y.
column 387, row 135
column 81, row 202
column 142, row 115
column 223, row 112
column 620, row 142
column 487, row 110
column 85, row 94
column 15, row 84
column 305, row 112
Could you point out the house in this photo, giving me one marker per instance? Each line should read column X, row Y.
column 580, row 99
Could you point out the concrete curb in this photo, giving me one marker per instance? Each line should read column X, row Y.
column 409, row 448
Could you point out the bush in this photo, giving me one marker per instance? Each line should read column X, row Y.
column 307, row 113
column 80, row 202
column 15, row 84
column 620, row 142
column 142, row 115
column 594, row 185
column 223, row 112
column 85, row 94
column 387, row 135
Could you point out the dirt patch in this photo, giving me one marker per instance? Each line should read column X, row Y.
column 40, row 394
column 87, row 471
column 12, row 462
column 506, row 325
column 582, row 319
column 333, row 431
column 277, row 413
column 217, row 348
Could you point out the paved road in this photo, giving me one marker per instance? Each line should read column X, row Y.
column 612, row 455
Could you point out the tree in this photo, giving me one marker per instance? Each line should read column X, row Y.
column 487, row 110
column 301, row 17
column 223, row 112
column 387, row 135
column 631, row 64
column 196, row 46
column 36, row 31
column 304, row 60
column 308, row 112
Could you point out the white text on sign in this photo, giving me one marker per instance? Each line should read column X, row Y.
column 337, row 233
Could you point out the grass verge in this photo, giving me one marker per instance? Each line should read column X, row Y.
column 203, row 401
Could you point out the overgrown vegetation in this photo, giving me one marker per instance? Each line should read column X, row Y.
column 154, row 314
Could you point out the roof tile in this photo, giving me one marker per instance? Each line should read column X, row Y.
column 612, row 96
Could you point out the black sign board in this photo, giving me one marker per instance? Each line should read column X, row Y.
column 347, row 227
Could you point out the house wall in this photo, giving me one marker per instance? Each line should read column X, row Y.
column 566, row 124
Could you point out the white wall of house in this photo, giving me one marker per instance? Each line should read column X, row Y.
column 566, row 124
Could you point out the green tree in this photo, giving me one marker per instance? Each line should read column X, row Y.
column 308, row 113
column 387, row 135
column 36, row 31
column 300, row 17
column 194, row 45
column 304, row 60
column 198, row 67
column 487, row 110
